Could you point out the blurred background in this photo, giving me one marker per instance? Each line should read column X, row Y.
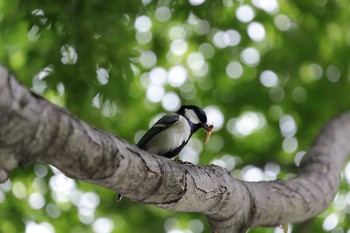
column 268, row 73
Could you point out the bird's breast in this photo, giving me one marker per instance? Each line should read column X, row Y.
column 171, row 138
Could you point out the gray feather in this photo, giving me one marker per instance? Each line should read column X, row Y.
column 162, row 124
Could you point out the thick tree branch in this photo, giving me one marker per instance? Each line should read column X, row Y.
column 34, row 130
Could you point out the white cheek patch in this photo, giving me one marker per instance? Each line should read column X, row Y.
column 192, row 116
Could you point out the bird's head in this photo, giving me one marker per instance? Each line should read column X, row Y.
column 195, row 116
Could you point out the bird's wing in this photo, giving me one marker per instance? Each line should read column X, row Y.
column 162, row 124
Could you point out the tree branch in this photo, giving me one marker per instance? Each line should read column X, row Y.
column 34, row 130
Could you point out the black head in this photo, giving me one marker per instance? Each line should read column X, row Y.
column 194, row 115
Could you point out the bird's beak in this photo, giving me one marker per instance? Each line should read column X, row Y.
column 208, row 129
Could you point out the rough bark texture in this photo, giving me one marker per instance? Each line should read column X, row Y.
column 34, row 130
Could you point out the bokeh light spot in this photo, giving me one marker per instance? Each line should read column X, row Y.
column 195, row 226
column 195, row 61
column 246, row 124
column 256, row 31
column 40, row 185
column 219, row 40
column 226, row 161
column 272, row 169
column 223, row 39
column 347, row 173
column 103, row 225
column 177, row 32
column 146, row 2
column 96, row 101
column 89, row 200
column 171, row 224
column 214, row 116
column 201, row 27
column 86, row 216
column 143, row 37
column 155, row 93
column 158, row 75
column 19, row 190
column 196, row 2
column 245, row 13
column 40, row 170
column 34, row 33
column 290, row 144
column 36, row 200
column 177, row 76
column 298, row 157
column 179, row 47
column 62, row 187
column 207, row 50
column 250, row 56
column 310, row 72
column 44, row 227
column 270, row 6
column 333, row 73
column 252, row 174
column 102, row 76
column 330, row 222
column 148, row 59
column 163, row 14
column 68, row 55
column 171, row 101
column 234, row 69
column 282, row 22
column 52, row 210
column 143, row 23
column 288, row 126
column 233, row 37
column 269, row 78
column 109, row 108
column 6, row 186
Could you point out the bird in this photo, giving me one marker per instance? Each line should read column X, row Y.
column 169, row 135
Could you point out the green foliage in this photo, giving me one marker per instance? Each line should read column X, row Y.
column 276, row 78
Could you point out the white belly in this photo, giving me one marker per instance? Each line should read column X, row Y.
column 175, row 135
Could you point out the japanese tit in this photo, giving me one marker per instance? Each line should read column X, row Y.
column 168, row 136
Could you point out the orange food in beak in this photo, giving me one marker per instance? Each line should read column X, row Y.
column 208, row 133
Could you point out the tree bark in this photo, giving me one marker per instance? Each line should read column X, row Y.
column 34, row 130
